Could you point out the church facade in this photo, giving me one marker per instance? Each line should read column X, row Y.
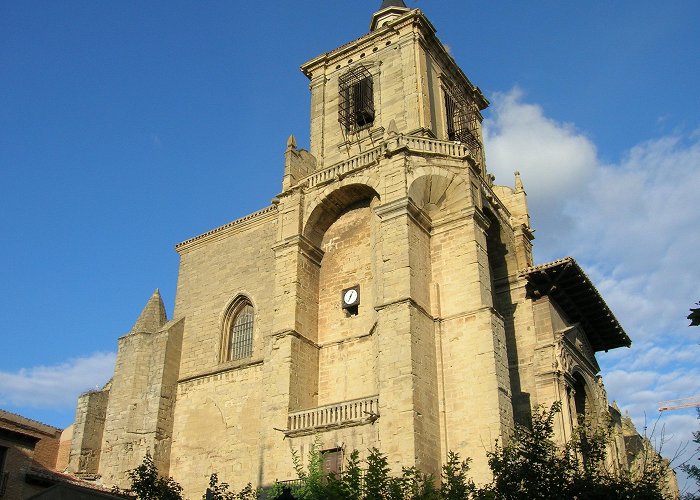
column 386, row 298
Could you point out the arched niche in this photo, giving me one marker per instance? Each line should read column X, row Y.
column 439, row 194
column 326, row 211
column 583, row 400
column 343, row 225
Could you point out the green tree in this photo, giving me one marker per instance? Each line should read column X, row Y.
column 456, row 485
column 220, row 491
column 533, row 466
column 146, row 484
column 350, row 486
column 377, row 484
column 693, row 471
column 694, row 316
column 530, row 465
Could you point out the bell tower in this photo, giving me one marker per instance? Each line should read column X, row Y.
column 397, row 78
column 393, row 212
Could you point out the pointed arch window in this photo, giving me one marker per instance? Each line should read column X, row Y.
column 238, row 330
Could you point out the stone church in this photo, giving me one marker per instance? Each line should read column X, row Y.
column 386, row 298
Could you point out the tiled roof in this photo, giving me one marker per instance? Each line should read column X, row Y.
column 565, row 282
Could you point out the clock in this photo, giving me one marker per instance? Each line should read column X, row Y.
column 350, row 297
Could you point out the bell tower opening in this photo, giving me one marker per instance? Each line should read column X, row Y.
column 356, row 109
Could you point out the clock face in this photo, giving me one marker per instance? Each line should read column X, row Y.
column 350, row 296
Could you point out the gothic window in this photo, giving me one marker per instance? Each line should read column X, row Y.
column 356, row 109
column 238, row 330
column 462, row 116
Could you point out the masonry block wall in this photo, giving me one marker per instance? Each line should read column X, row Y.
column 347, row 351
column 18, row 460
column 88, row 428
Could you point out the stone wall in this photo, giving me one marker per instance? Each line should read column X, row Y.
column 88, row 428
column 18, row 460
column 217, row 429
column 347, row 354
column 213, row 272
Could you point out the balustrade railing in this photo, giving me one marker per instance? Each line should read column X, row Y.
column 427, row 145
column 417, row 144
column 347, row 412
column 346, row 166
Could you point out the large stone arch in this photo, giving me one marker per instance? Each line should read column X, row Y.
column 341, row 223
column 439, row 192
column 328, row 205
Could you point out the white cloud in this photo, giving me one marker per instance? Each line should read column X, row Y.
column 632, row 227
column 57, row 386
column 553, row 158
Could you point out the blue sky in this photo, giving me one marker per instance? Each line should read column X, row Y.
column 127, row 127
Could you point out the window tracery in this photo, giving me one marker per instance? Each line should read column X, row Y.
column 238, row 330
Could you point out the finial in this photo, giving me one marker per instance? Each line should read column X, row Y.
column 152, row 317
column 291, row 142
column 518, row 183
column 392, row 129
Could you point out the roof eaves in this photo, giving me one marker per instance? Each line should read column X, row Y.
column 566, row 283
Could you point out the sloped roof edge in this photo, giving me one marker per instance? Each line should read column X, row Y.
column 565, row 282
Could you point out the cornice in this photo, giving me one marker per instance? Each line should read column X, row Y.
column 304, row 245
column 220, row 370
column 233, row 227
column 414, row 17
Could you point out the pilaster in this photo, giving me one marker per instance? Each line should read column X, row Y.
column 476, row 398
column 408, row 393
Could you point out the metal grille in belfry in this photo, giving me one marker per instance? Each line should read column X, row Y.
column 462, row 119
column 242, row 333
column 356, row 109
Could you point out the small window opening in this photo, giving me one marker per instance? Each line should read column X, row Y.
column 356, row 110
column 462, row 116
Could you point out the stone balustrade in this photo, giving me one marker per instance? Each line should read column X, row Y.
column 354, row 163
column 412, row 143
column 345, row 414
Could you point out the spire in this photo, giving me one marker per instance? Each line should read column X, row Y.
column 392, row 3
column 291, row 142
column 152, row 317
column 390, row 9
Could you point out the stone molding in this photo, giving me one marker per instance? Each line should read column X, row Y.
column 236, row 226
column 230, row 366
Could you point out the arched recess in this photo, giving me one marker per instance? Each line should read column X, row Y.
column 583, row 403
column 583, row 411
column 343, row 225
column 439, row 194
column 497, row 250
column 329, row 208
column 442, row 197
